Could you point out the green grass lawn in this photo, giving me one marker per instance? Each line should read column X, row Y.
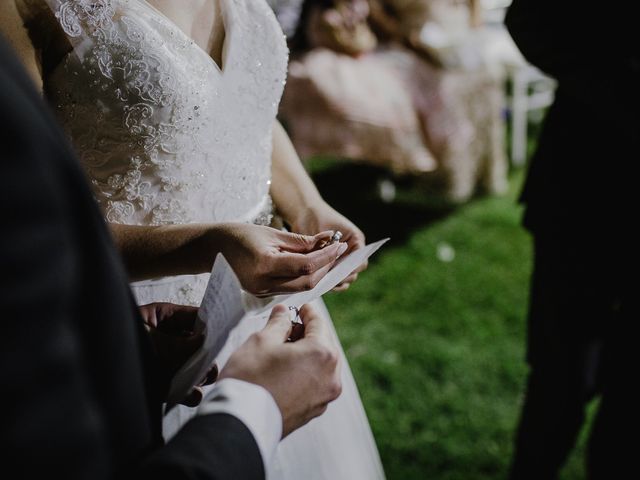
column 436, row 346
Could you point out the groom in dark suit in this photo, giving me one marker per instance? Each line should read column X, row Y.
column 580, row 210
column 82, row 386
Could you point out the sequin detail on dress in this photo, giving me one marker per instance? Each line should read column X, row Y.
column 162, row 130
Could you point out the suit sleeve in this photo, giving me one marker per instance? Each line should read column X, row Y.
column 46, row 418
column 55, row 415
column 250, row 419
column 209, row 447
column 591, row 51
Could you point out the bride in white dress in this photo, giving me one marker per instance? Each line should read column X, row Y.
column 178, row 135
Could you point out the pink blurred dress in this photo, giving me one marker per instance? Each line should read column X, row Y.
column 391, row 107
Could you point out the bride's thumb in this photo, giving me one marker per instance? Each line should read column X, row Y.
column 299, row 243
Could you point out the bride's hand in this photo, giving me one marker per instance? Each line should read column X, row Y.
column 323, row 217
column 269, row 261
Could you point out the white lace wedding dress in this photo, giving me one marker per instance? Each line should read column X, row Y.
column 168, row 136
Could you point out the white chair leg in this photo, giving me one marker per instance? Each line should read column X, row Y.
column 519, row 109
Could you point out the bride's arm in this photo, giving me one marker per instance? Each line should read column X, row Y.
column 13, row 29
column 266, row 260
column 157, row 251
column 292, row 189
column 298, row 201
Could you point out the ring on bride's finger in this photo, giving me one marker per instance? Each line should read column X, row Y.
column 336, row 236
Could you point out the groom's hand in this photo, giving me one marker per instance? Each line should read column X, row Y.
column 171, row 329
column 302, row 376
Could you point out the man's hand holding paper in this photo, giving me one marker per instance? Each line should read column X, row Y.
column 225, row 303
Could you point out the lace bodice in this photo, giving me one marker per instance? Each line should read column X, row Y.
column 165, row 134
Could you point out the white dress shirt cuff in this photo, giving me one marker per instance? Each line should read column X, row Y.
column 254, row 406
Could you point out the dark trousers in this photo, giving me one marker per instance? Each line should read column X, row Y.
column 579, row 347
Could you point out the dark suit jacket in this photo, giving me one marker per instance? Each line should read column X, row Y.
column 581, row 174
column 80, row 396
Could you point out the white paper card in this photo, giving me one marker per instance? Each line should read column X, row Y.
column 333, row 278
column 220, row 311
column 225, row 303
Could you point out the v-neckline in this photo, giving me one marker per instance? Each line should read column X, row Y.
column 224, row 53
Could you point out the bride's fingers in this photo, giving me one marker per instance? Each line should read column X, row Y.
column 363, row 266
column 323, row 239
column 149, row 316
column 295, row 242
column 342, row 287
column 287, row 264
column 353, row 276
column 178, row 320
column 346, row 283
column 355, row 243
column 299, row 284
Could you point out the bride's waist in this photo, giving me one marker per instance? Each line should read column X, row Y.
column 172, row 280
column 181, row 289
column 167, row 208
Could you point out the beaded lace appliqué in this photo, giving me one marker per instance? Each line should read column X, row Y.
column 165, row 136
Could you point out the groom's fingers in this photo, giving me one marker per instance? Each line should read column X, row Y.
column 287, row 264
column 211, row 376
column 314, row 324
column 316, row 328
column 176, row 319
column 193, row 398
column 278, row 328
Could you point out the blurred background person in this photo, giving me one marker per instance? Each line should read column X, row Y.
column 409, row 85
column 342, row 100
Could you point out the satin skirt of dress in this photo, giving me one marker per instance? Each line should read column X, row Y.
column 338, row 445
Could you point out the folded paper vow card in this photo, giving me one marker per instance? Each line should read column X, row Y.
column 225, row 303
